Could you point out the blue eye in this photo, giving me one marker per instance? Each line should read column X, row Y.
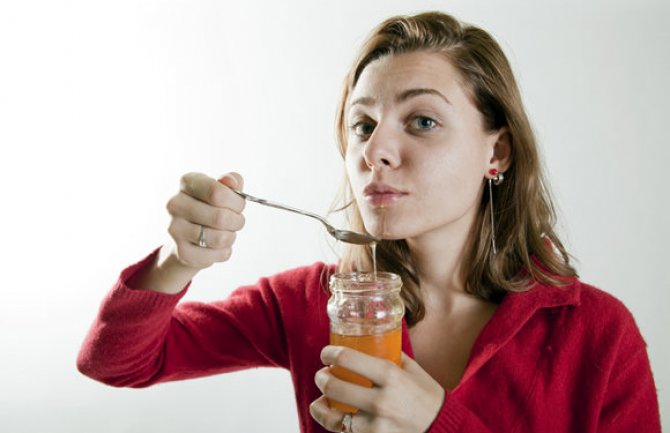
column 423, row 122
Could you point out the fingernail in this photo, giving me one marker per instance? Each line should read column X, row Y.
column 231, row 181
column 314, row 408
column 319, row 377
column 326, row 353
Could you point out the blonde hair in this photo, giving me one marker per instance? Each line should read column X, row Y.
column 528, row 247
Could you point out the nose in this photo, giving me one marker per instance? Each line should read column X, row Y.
column 382, row 150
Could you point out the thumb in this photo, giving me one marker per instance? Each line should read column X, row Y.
column 232, row 180
column 414, row 369
column 409, row 364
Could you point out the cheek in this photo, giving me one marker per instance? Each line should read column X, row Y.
column 353, row 165
column 457, row 175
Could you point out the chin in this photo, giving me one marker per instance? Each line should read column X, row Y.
column 385, row 232
column 390, row 223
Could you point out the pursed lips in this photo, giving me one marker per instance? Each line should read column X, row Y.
column 378, row 193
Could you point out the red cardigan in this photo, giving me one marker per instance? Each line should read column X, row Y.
column 552, row 359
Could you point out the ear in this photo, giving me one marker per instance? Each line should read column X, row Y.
column 501, row 158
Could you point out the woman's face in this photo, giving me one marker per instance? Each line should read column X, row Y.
column 417, row 151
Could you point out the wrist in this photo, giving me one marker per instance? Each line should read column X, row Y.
column 170, row 269
column 165, row 274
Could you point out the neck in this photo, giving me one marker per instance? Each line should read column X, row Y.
column 438, row 256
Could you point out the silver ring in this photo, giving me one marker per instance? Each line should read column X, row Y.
column 201, row 239
column 346, row 423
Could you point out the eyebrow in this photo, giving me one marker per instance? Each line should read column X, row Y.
column 418, row 92
column 401, row 97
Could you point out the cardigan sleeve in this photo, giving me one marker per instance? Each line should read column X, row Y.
column 630, row 402
column 143, row 337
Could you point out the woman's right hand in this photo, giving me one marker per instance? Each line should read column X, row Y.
column 205, row 202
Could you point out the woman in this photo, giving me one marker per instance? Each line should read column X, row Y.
column 499, row 334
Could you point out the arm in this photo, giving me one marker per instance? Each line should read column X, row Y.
column 141, row 337
column 165, row 273
column 631, row 403
column 627, row 399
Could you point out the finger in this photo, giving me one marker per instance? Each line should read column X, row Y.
column 182, row 230
column 233, row 180
column 208, row 190
column 345, row 392
column 414, row 369
column 330, row 419
column 379, row 371
column 200, row 258
column 197, row 212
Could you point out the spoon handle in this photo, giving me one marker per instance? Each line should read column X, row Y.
column 282, row 206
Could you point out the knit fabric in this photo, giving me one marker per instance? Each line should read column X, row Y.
column 552, row 359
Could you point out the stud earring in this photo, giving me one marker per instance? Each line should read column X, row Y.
column 498, row 176
column 497, row 180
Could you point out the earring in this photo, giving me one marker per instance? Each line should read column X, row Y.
column 497, row 180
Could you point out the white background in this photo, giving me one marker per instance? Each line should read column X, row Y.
column 103, row 105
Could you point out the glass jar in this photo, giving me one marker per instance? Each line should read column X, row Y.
column 365, row 312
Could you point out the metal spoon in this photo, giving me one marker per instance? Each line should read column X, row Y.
column 341, row 235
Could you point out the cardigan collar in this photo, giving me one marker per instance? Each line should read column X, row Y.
column 515, row 310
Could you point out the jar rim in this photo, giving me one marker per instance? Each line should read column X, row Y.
column 365, row 281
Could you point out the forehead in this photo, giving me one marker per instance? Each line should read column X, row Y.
column 391, row 75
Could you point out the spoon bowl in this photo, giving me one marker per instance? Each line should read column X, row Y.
column 346, row 236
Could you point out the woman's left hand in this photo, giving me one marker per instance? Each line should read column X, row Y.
column 403, row 399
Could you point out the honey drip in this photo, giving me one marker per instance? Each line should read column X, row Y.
column 373, row 247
